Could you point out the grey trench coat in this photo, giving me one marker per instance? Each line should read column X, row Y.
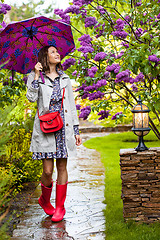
column 42, row 142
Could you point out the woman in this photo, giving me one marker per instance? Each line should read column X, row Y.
column 58, row 145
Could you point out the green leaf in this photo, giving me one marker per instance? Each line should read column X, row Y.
column 145, row 35
column 1, row 17
column 147, row 69
column 131, row 60
column 157, row 105
column 158, row 53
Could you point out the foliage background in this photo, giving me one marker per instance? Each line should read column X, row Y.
column 131, row 54
column 125, row 37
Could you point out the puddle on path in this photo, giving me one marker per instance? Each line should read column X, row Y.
column 84, row 218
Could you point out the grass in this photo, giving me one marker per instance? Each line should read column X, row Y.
column 109, row 147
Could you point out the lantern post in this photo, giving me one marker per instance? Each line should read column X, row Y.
column 140, row 123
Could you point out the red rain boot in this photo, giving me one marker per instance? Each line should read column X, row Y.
column 61, row 191
column 44, row 200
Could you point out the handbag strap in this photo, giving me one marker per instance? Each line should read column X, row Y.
column 61, row 103
column 62, row 98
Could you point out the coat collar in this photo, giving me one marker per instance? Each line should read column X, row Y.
column 63, row 80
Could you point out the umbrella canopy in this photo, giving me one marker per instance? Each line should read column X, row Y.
column 20, row 42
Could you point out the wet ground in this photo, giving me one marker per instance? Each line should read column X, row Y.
column 84, row 205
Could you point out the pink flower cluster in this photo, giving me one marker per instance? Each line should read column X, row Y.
column 138, row 4
column 115, row 115
column 106, row 74
column 100, row 56
column 81, row 87
column 80, row 3
column 83, row 12
column 4, row 25
column 113, row 68
column 120, row 33
column 85, row 39
column 68, row 63
column 86, row 49
column 123, row 76
column 65, row 18
column 4, row 8
column 74, row 73
column 154, row 58
column 90, row 22
column 95, row 95
column 78, row 106
column 128, row 18
column 125, row 44
column 101, row 10
column 100, row 29
column 139, row 78
column 85, row 112
column 25, row 79
column 120, row 24
column 92, row 71
column 95, row 86
column 85, row 42
column 104, row 114
column 73, row 9
column 139, row 32
column 134, row 88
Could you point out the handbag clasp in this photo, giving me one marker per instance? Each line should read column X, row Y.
column 50, row 122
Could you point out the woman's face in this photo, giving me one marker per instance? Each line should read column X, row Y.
column 53, row 55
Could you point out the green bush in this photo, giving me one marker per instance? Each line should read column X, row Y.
column 3, row 232
column 19, row 159
column 7, row 181
column 17, row 166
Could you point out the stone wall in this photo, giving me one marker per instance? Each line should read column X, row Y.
column 89, row 126
column 140, row 174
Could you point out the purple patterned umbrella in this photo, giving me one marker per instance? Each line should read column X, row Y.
column 20, row 42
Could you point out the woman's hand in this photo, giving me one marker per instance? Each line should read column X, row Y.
column 78, row 140
column 38, row 67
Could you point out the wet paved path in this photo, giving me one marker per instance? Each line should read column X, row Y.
column 84, row 218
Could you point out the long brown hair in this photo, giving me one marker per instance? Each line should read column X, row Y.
column 43, row 59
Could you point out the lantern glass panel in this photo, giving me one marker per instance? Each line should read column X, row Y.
column 141, row 119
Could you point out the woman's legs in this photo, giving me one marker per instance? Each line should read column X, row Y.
column 46, row 186
column 61, row 189
column 48, row 166
column 62, row 174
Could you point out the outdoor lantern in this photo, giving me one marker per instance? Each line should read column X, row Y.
column 140, row 123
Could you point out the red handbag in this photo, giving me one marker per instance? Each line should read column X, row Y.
column 51, row 122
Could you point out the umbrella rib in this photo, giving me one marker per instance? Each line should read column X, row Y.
column 22, row 25
column 38, row 40
column 31, row 25
column 51, row 34
column 27, row 42
column 33, row 22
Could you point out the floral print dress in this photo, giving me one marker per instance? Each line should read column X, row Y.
column 55, row 105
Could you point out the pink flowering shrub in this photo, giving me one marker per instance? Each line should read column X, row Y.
column 117, row 56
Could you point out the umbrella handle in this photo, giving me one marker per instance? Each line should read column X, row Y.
column 42, row 77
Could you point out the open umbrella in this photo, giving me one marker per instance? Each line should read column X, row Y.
column 20, row 42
